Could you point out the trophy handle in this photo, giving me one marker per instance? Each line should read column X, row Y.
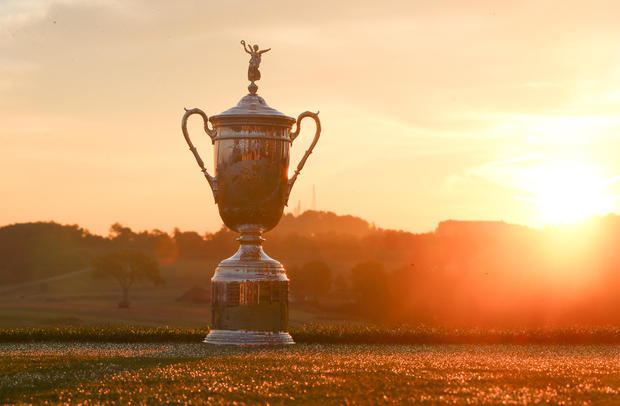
column 211, row 133
column 294, row 135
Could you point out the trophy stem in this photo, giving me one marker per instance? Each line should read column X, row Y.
column 249, row 297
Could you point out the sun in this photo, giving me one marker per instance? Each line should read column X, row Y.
column 569, row 192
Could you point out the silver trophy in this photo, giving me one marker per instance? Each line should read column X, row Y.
column 251, row 186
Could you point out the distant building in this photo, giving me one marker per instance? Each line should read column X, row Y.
column 297, row 210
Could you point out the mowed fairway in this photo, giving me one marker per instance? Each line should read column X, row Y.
column 308, row 373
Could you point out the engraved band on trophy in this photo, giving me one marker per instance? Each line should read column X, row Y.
column 249, row 291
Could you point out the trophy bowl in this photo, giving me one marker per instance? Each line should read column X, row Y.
column 251, row 186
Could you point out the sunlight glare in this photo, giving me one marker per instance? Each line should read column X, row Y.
column 570, row 192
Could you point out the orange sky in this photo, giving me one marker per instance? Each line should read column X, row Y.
column 430, row 110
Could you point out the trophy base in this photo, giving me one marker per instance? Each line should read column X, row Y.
column 248, row 338
column 249, row 298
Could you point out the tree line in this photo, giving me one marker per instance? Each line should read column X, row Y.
column 462, row 273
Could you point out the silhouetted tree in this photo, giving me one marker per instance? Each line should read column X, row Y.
column 312, row 280
column 221, row 243
column 31, row 251
column 127, row 266
column 120, row 234
column 322, row 222
column 190, row 244
column 369, row 281
column 165, row 249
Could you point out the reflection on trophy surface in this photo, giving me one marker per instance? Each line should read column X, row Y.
column 251, row 187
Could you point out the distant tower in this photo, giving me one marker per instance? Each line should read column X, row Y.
column 298, row 208
column 313, row 198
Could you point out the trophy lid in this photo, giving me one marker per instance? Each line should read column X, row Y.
column 252, row 109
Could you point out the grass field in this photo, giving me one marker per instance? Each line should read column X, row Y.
column 350, row 333
column 68, row 343
column 184, row 373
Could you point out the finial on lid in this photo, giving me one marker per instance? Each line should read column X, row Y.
column 255, row 59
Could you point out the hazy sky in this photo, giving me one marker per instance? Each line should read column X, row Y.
column 430, row 109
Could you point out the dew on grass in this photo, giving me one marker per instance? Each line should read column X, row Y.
column 308, row 373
